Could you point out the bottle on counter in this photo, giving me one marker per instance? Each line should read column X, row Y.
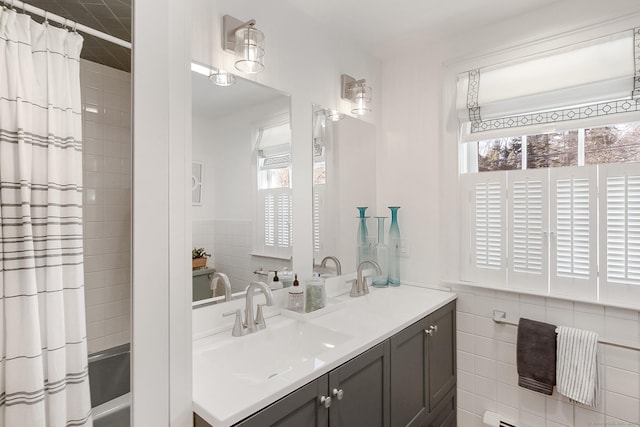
column 296, row 296
column 316, row 297
column 275, row 282
column 286, row 277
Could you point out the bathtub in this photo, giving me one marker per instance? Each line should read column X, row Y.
column 109, row 373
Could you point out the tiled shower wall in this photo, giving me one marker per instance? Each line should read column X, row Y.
column 487, row 375
column 106, row 126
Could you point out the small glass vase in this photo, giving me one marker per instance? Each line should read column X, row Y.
column 364, row 247
column 394, row 248
column 381, row 256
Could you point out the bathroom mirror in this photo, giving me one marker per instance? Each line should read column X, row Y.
column 241, row 211
column 344, row 162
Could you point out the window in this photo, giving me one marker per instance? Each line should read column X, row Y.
column 550, row 170
column 274, row 199
column 539, row 225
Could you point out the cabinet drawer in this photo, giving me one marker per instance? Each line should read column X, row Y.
column 444, row 414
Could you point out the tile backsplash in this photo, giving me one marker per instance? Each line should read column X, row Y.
column 106, row 125
column 487, row 374
column 231, row 241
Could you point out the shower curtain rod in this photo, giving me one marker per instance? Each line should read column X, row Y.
column 66, row 22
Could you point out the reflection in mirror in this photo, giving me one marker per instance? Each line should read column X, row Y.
column 241, row 145
column 344, row 161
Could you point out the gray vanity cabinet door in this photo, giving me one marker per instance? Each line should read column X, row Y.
column 442, row 353
column 409, row 376
column 360, row 390
column 300, row 408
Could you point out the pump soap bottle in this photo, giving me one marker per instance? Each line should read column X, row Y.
column 296, row 297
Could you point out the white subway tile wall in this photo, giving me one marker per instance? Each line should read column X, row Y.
column 231, row 241
column 487, row 374
column 106, row 125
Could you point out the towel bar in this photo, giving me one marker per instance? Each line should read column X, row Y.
column 501, row 317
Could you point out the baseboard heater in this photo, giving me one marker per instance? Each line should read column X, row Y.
column 491, row 419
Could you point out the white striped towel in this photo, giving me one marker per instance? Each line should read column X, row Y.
column 577, row 365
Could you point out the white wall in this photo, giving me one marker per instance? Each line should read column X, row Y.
column 106, row 156
column 161, row 270
column 420, row 173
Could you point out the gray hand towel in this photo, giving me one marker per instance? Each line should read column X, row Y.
column 536, row 356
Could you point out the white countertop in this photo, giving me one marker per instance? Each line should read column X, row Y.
column 224, row 395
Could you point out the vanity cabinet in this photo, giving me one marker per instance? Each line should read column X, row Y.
column 423, row 370
column 353, row 394
column 407, row 380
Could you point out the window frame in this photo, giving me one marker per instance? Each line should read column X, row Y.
column 595, row 285
column 282, row 247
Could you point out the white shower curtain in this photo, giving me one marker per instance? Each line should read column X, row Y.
column 43, row 349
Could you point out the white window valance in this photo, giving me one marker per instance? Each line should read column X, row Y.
column 273, row 136
column 585, row 81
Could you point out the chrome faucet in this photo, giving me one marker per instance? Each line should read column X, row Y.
column 251, row 324
column 217, row 277
column 335, row 260
column 360, row 286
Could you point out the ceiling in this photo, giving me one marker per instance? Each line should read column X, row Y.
column 109, row 16
column 374, row 25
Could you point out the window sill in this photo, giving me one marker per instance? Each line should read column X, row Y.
column 454, row 283
column 261, row 255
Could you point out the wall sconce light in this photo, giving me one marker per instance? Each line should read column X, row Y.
column 216, row 75
column 358, row 93
column 246, row 42
column 334, row 115
column 222, row 78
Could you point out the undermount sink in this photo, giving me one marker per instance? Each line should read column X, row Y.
column 276, row 350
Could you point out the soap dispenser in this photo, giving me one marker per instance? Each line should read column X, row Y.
column 296, row 297
column 275, row 282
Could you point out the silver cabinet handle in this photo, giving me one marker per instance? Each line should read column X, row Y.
column 431, row 330
column 338, row 394
column 325, row 401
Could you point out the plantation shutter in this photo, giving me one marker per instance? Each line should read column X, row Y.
column 620, row 236
column 317, row 204
column 276, row 223
column 283, row 220
column 270, row 220
column 528, row 225
column 486, row 225
column 573, row 269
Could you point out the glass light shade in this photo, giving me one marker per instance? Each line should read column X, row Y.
column 222, row 78
column 335, row 115
column 361, row 99
column 249, row 50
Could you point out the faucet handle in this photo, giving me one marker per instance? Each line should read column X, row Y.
column 365, row 286
column 260, row 323
column 238, row 327
column 355, row 292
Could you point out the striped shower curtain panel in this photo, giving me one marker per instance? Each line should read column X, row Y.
column 43, row 349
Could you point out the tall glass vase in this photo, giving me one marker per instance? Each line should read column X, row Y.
column 394, row 248
column 364, row 248
column 381, row 256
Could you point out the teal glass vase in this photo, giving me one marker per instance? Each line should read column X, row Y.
column 394, row 248
column 364, row 248
column 381, row 256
